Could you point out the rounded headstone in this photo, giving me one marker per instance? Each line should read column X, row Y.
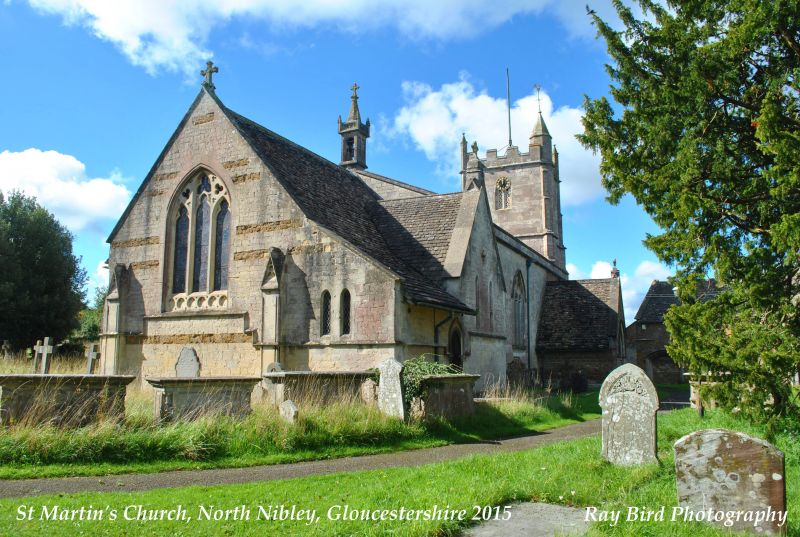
column 629, row 402
column 729, row 471
column 188, row 365
column 288, row 411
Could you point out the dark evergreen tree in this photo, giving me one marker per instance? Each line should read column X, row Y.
column 42, row 282
column 705, row 135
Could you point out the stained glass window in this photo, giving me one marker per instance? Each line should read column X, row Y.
column 222, row 247
column 325, row 325
column 181, row 249
column 201, row 236
column 344, row 311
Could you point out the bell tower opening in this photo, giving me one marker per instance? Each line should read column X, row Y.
column 354, row 135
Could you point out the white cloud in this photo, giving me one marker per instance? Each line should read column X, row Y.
column 100, row 276
column 59, row 183
column 156, row 34
column 433, row 119
column 634, row 287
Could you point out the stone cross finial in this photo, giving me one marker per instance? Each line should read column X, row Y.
column 92, row 355
column 355, row 89
column 208, row 72
column 46, row 351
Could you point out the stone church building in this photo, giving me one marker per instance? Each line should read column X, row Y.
column 253, row 250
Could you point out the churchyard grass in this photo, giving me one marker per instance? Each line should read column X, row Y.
column 325, row 430
column 568, row 473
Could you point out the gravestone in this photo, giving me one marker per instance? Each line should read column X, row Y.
column 368, row 392
column 6, row 350
column 36, row 351
column 728, row 471
column 629, row 402
column 390, row 389
column 46, row 352
column 288, row 411
column 92, row 355
column 188, row 365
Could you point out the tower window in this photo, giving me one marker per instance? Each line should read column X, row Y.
column 344, row 312
column 325, row 317
column 350, row 149
column 502, row 193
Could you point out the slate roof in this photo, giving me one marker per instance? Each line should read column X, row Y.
column 339, row 201
column 656, row 302
column 420, row 229
column 579, row 315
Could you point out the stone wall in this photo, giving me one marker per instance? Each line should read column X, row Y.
column 649, row 341
column 558, row 367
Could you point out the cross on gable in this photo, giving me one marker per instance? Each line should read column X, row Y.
column 208, row 72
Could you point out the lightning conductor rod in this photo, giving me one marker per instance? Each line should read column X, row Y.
column 508, row 104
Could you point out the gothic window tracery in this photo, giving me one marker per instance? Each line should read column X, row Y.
column 200, row 245
column 502, row 193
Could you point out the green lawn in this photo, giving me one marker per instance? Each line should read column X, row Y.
column 570, row 473
column 322, row 432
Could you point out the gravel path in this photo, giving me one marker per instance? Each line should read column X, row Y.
column 227, row 476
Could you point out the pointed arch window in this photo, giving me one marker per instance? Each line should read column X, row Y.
column 518, row 298
column 502, row 193
column 344, row 312
column 325, row 314
column 200, row 244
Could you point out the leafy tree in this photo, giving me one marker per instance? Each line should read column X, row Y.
column 90, row 317
column 705, row 134
column 42, row 281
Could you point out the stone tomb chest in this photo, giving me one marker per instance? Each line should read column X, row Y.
column 62, row 400
column 194, row 397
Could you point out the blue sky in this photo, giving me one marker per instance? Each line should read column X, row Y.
column 92, row 91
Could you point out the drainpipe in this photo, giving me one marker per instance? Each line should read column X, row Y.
column 436, row 328
column 528, row 308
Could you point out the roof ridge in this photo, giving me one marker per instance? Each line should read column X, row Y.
column 391, row 180
column 420, row 198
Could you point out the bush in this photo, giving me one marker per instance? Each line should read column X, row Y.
column 415, row 370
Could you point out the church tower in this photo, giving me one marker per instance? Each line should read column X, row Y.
column 354, row 136
column 524, row 191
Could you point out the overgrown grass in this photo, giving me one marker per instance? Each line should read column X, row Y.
column 324, row 430
column 21, row 364
column 569, row 473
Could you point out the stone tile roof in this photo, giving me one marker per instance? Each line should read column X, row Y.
column 656, row 302
column 579, row 315
column 660, row 297
column 421, row 229
column 339, row 201
column 394, row 182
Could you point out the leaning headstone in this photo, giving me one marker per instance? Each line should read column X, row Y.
column 37, row 349
column 722, row 471
column 188, row 365
column 629, row 402
column 390, row 389
column 46, row 351
column 288, row 411
column 92, row 355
